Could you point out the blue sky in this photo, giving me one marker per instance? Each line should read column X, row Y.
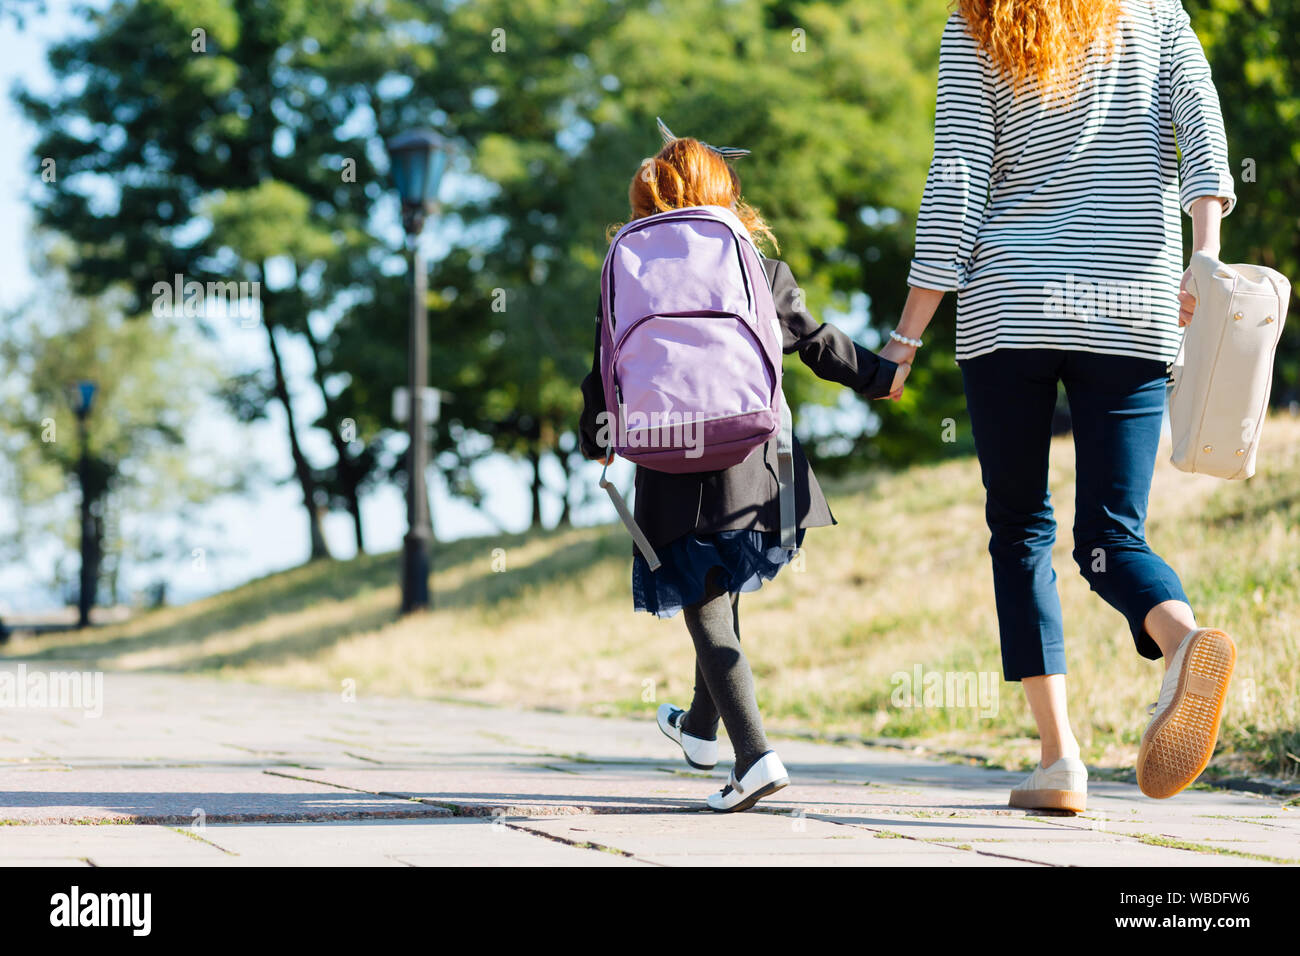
column 266, row 530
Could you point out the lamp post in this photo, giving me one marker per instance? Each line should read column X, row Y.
column 83, row 396
column 417, row 158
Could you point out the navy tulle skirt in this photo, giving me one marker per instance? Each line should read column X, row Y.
column 747, row 559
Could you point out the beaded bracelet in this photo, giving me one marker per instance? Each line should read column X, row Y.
column 915, row 343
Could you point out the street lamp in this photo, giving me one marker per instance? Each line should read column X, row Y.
column 82, row 398
column 418, row 159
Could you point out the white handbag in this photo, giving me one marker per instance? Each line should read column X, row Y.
column 1222, row 385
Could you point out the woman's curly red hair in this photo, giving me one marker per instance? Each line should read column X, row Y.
column 1037, row 43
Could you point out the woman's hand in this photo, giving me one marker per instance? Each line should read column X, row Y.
column 1207, row 214
column 896, row 351
column 1186, row 301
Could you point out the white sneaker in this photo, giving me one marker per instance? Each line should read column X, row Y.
column 765, row 777
column 1062, row 786
column 700, row 753
column 1179, row 741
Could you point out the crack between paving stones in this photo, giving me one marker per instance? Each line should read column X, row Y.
column 903, row 836
column 407, row 798
column 1191, row 846
column 580, row 845
column 487, row 810
column 189, row 832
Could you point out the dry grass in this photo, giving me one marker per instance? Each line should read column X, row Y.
column 903, row 582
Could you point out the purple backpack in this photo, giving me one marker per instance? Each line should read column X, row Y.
column 690, row 353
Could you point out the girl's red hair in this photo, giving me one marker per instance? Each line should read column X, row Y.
column 687, row 173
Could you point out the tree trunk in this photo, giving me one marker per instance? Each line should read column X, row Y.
column 93, row 479
column 91, row 539
column 354, row 508
column 302, row 468
column 536, row 490
column 349, row 478
column 566, row 512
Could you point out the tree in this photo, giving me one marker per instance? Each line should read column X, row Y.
column 557, row 106
column 186, row 136
column 138, row 460
column 1254, row 55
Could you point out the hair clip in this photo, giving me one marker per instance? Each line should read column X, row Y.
column 726, row 152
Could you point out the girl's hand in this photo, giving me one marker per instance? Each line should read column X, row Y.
column 900, row 376
column 902, row 355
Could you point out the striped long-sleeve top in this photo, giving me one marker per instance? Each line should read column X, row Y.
column 1059, row 225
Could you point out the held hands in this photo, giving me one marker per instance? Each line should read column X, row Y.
column 904, row 370
column 902, row 355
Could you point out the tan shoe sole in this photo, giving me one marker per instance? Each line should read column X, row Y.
column 1049, row 800
column 1179, row 745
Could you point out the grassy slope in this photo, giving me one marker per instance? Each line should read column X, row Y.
column 903, row 581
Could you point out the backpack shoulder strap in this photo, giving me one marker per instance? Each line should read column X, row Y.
column 784, row 447
column 629, row 522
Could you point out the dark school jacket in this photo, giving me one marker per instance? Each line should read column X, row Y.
column 744, row 496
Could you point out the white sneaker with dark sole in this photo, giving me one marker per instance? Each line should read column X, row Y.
column 1179, row 741
column 1062, row 786
column 699, row 753
column 763, row 779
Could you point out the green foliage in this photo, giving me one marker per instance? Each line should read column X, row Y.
column 213, row 140
column 833, row 99
column 1254, row 53
column 151, row 378
column 271, row 219
column 214, row 162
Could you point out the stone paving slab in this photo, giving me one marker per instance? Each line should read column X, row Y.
column 473, row 842
column 527, row 792
column 368, row 843
column 704, row 838
column 1115, row 852
column 1279, row 844
column 45, row 861
column 99, row 845
column 468, row 784
column 174, row 796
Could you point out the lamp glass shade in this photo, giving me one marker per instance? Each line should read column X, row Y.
column 83, row 396
column 418, row 159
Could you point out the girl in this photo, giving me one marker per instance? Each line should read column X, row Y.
column 717, row 533
column 1076, row 130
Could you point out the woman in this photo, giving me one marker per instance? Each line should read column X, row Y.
column 1052, row 209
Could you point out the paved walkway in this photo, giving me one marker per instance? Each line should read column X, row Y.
column 210, row 773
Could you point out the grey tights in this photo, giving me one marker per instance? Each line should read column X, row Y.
column 724, row 685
